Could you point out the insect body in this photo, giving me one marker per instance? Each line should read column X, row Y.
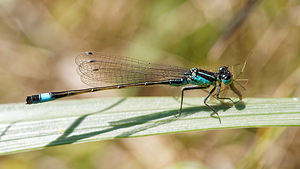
column 97, row 69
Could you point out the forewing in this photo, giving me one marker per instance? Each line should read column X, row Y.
column 96, row 69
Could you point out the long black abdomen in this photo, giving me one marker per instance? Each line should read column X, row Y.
column 45, row 97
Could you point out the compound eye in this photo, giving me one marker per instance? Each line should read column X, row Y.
column 227, row 80
column 227, row 77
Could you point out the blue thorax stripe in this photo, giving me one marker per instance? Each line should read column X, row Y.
column 207, row 74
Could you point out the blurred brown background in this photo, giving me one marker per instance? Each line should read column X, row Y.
column 40, row 39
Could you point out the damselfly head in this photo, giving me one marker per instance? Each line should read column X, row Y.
column 224, row 75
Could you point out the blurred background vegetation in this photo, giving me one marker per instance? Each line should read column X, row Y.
column 40, row 39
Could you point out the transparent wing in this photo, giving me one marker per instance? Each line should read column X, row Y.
column 97, row 68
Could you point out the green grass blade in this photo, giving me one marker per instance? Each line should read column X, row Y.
column 27, row 127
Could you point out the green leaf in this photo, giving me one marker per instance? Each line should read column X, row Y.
column 28, row 127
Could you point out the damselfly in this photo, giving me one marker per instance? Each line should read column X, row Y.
column 96, row 68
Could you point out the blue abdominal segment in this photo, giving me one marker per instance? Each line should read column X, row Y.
column 44, row 97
